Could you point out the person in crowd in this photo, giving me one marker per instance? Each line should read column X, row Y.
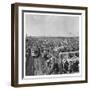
column 76, row 66
column 70, row 66
column 66, row 64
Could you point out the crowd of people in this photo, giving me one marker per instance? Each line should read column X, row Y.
column 51, row 58
column 64, row 63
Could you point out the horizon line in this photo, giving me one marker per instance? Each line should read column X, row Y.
column 50, row 36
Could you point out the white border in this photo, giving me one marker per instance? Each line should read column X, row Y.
column 52, row 78
column 49, row 76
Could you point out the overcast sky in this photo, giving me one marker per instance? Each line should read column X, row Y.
column 51, row 25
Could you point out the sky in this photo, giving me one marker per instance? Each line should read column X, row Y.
column 51, row 25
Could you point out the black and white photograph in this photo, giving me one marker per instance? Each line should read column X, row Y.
column 49, row 44
column 52, row 44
